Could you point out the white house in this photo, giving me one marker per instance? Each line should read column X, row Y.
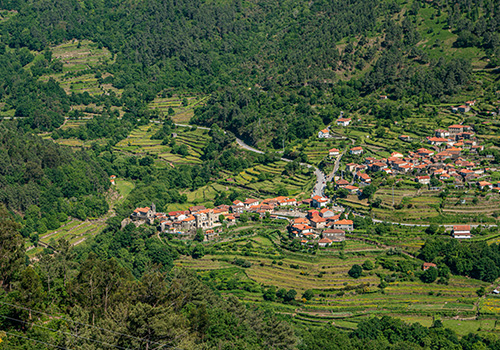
column 333, row 152
column 424, row 180
column 250, row 203
column 319, row 202
column 356, row 150
column 324, row 134
column 324, row 242
column 343, row 121
column 461, row 231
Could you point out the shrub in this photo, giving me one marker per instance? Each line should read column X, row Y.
column 356, row 271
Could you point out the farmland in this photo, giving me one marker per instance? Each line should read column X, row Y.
column 139, row 143
column 338, row 298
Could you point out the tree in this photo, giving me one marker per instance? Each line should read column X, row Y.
column 432, row 229
column 290, row 295
column 198, row 251
column 368, row 265
column 281, row 293
column 356, row 271
column 270, row 294
column 30, row 289
column 369, row 191
column 429, row 275
column 308, row 294
column 11, row 248
column 199, row 237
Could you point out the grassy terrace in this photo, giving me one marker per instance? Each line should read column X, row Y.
column 78, row 56
column 182, row 112
column 338, row 297
column 297, row 184
column 139, row 143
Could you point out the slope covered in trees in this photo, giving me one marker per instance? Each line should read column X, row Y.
column 287, row 53
column 48, row 182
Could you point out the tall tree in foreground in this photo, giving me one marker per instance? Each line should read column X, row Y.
column 11, row 248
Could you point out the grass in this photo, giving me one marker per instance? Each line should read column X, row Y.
column 139, row 142
column 338, row 299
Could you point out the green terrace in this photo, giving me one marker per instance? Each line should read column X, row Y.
column 182, row 113
column 269, row 178
column 339, row 299
column 139, row 142
column 78, row 56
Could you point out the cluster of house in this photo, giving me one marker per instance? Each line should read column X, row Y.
column 184, row 222
column 323, row 227
column 443, row 159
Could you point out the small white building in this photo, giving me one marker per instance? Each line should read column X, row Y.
column 356, row 150
column 343, row 121
column 333, row 152
column 324, row 134
column 324, row 242
column 461, row 232
column 319, row 202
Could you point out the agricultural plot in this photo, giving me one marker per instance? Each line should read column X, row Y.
column 182, row 107
column 76, row 57
column 317, row 150
column 74, row 231
column 139, row 142
column 338, row 298
column 269, row 178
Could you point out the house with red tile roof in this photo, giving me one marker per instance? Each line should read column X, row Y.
column 324, row 134
column 356, row 150
column 333, row 152
column 319, row 202
column 345, row 225
column 334, row 235
column 324, row 242
column 363, row 178
column 461, row 231
column 424, row 180
column 343, row 121
column 318, row 222
column 427, row 266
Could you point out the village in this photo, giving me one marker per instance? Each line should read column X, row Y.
column 450, row 157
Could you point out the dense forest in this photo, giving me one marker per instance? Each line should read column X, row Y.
column 250, row 53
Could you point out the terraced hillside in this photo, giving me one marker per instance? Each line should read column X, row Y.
column 269, row 179
column 139, row 142
column 78, row 57
column 339, row 298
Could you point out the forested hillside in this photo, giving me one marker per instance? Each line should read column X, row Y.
column 270, row 65
column 94, row 88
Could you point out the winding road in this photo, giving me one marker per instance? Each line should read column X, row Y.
column 322, row 179
column 319, row 187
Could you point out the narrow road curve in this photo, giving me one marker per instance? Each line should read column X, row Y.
column 319, row 187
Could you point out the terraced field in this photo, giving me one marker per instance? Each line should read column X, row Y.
column 139, row 143
column 296, row 185
column 76, row 57
column 182, row 112
column 317, row 150
column 339, row 299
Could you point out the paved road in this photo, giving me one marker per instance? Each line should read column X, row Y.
column 319, row 187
